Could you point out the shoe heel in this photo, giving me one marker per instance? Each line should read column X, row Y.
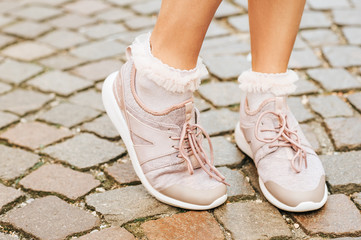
column 242, row 142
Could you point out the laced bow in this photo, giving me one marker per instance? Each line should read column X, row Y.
column 190, row 142
column 286, row 138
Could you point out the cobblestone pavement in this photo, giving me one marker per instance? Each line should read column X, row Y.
column 65, row 173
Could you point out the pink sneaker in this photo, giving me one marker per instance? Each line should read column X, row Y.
column 165, row 147
column 291, row 175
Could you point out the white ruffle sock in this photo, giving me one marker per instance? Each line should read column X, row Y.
column 158, row 85
column 261, row 86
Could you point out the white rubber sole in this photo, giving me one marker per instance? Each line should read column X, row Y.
column 120, row 124
column 302, row 207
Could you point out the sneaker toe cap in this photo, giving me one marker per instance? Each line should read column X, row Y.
column 195, row 196
column 293, row 198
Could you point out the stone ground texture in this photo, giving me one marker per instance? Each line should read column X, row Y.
column 64, row 170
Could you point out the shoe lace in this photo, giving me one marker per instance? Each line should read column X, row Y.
column 285, row 137
column 190, row 142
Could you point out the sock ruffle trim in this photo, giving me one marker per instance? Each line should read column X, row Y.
column 276, row 83
column 172, row 79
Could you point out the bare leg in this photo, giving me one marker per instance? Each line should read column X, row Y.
column 273, row 27
column 180, row 30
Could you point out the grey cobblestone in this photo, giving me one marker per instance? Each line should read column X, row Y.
column 122, row 172
column 6, row 40
column 147, row 7
column 305, row 87
column 201, row 104
column 221, row 94
column 112, row 233
column 315, row 19
column 311, row 137
column 298, row 109
column 225, row 152
column 62, row 39
column 15, row 162
column 226, row 67
column 34, row 135
column 303, row 58
column 86, row 7
column 137, row 22
column 343, row 56
column 239, row 219
column 217, row 29
column 343, row 172
column 357, row 199
column 353, row 35
column 240, row 23
column 102, row 30
column 8, row 195
column 16, row 72
column 115, row 15
column 226, row 9
column 98, row 50
column 219, row 121
column 37, row 13
column 355, row 100
column 61, row 61
column 331, row 4
column 51, row 218
column 28, row 51
column 23, row 101
column 72, row 21
column 102, row 127
column 27, row 29
column 85, row 150
column 335, row 79
column 239, row 186
column 59, row 82
column 56, row 178
column 125, row 204
column 90, row 98
column 347, row 16
column 338, row 217
column 4, row 87
column 320, row 37
column 345, row 132
column 330, row 106
column 68, row 114
column 8, row 237
column 7, row 6
column 7, row 118
column 5, row 20
column 96, row 71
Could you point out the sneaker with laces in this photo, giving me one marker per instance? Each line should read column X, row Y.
column 165, row 147
column 291, row 175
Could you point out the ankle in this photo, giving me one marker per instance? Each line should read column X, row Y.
column 262, row 86
column 275, row 83
column 157, row 98
column 172, row 54
column 159, row 85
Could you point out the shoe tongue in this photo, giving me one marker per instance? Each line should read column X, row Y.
column 280, row 105
column 182, row 114
column 188, row 111
column 256, row 99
